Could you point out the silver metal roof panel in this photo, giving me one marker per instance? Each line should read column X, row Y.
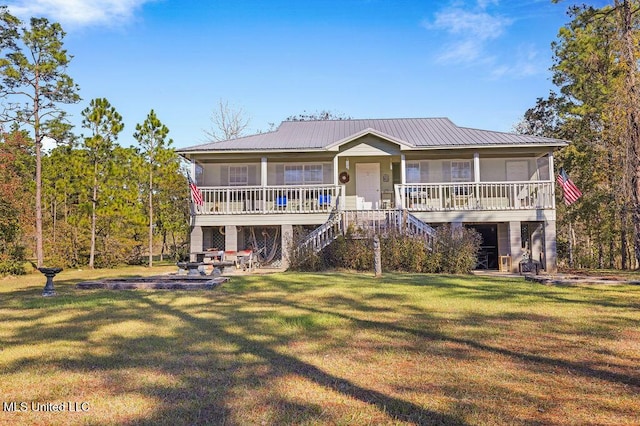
column 414, row 133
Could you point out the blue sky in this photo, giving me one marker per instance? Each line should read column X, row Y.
column 482, row 63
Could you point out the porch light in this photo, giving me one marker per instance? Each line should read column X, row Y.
column 347, row 164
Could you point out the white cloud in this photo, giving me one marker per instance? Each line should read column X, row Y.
column 79, row 12
column 469, row 32
column 469, row 24
column 527, row 63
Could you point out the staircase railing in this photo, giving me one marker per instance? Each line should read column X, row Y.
column 374, row 221
column 411, row 224
column 324, row 234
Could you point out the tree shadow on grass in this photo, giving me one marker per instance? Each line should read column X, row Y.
column 432, row 334
column 510, row 289
column 208, row 378
column 283, row 364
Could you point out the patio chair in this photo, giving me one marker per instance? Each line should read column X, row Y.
column 324, row 200
column 245, row 259
column 281, row 201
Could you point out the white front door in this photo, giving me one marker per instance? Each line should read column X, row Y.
column 368, row 185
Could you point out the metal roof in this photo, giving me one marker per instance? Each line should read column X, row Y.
column 413, row 133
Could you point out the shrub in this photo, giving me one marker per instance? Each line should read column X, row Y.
column 12, row 261
column 11, row 266
column 408, row 253
column 457, row 249
column 455, row 252
column 303, row 259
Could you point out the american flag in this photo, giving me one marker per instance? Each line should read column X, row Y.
column 571, row 191
column 195, row 192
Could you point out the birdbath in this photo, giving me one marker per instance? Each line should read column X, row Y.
column 49, row 273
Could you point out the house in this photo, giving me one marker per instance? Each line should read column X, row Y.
column 257, row 188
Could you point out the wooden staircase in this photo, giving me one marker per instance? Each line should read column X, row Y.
column 366, row 222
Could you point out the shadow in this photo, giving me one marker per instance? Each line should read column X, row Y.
column 211, row 349
column 282, row 364
column 204, row 377
column 577, row 368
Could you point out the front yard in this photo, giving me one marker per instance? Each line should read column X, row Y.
column 333, row 348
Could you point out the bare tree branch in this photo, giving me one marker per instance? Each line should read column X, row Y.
column 227, row 123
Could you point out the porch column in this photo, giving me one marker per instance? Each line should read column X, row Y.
column 515, row 241
column 336, row 172
column 263, row 171
column 263, row 182
column 230, row 238
column 550, row 253
column 476, row 167
column 476, row 178
column 552, row 178
column 196, row 243
column 193, row 170
column 403, row 169
column 286, row 232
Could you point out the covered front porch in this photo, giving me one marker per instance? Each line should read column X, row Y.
column 314, row 199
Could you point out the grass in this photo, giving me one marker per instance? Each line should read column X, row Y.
column 311, row 349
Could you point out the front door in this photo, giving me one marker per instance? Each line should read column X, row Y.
column 368, row 185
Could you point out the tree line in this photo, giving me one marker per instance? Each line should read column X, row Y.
column 89, row 201
column 596, row 107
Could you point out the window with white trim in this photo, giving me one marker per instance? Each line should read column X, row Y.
column 306, row 174
column 238, row 175
column 313, row 173
column 461, row 171
column 413, row 172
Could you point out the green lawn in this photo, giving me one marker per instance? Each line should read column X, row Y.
column 333, row 348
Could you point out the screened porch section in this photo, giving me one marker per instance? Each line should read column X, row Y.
column 476, row 196
column 269, row 199
column 279, row 186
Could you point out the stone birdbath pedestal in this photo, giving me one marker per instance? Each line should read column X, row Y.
column 49, row 273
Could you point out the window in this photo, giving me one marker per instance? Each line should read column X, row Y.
column 293, row 175
column 303, row 174
column 461, row 171
column 413, row 172
column 238, row 175
column 313, row 173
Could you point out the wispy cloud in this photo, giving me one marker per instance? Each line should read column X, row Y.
column 470, row 31
column 79, row 12
column 527, row 63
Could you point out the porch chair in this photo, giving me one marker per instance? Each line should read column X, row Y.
column 281, row 201
column 245, row 259
column 324, row 200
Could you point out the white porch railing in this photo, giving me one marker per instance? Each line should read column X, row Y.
column 282, row 199
column 268, row 199
column 476, row 196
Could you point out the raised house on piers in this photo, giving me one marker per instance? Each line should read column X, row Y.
column 377, row 171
